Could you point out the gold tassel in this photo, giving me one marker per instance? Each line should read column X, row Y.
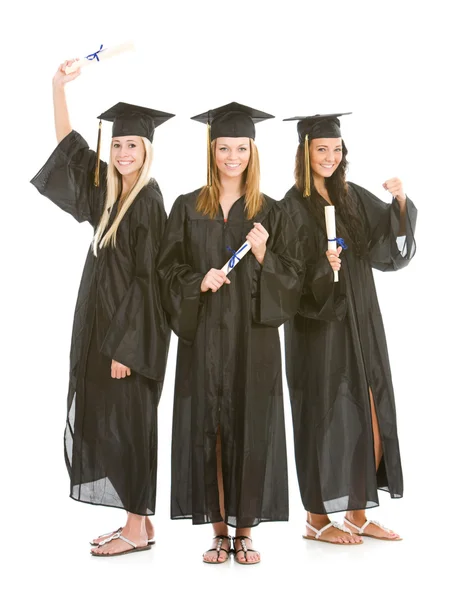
column 307, row 168
column 97, row 165
column 209, row 177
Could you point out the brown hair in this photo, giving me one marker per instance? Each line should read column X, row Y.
column 350, row 223
column 208, row 199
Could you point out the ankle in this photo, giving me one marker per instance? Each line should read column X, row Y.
column 356, row 516
column 317, row 520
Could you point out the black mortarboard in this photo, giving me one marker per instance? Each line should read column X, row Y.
column 311, row 128
column 129, row 119
column 318, row 126
column 231, row 120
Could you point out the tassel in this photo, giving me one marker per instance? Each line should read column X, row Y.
column 97, row 165
column 307, row 168
column 209, row 177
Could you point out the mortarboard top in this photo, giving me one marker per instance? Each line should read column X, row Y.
column 129, row 119
column 232, row 120
column 318, row 126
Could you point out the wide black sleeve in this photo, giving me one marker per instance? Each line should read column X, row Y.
column 278, row 282
column 321, row 298
column 67, row 179
column 388, row 251
column 180, row 285
column 138, row 335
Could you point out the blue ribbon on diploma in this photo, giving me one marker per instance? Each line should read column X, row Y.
column 340, row 242
column 94, row 55
column 235, row 256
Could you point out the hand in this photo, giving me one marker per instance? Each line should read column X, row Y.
column 333, row 256
column 258, row 237
column 61, row 78
column 213, row 280
column 119, row 371
column 394, row 186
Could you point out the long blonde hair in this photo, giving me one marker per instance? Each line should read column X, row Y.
column 208, row 199
column 114, row 187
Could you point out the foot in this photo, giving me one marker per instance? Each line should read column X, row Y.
column 223, row 543
column 373, row 529
column 149, row 529
column 331, row 534
column 244, row 551
column 118, row 545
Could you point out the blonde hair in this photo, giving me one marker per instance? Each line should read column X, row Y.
column 114, row 187
column 208, row 199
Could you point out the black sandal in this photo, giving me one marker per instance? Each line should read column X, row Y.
column 244, row 549
column 219, row 549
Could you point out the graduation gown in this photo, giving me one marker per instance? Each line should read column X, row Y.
column 110, row 438
column 229, row 376
column 335, row 351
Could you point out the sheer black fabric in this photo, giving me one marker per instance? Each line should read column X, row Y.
column 335, row 351
column 110, row 439
column 228, row 375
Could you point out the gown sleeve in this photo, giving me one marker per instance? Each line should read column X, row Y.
column 321, row 298
column 138, row 334
column 387, row 251
column 67, row 179
column 278, row 282
column 180, row 285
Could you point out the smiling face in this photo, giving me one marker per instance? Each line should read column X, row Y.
column 128, row 154
column 326, row 155
column 232, row 155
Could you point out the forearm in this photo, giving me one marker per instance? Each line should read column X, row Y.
column 61, row 113
column 402, row 216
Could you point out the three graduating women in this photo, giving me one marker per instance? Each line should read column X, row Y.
column 338, row 372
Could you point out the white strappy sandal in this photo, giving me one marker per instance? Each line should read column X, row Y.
column 118, row 536
column 151, row 542
column 319, row 532
column 361, row 530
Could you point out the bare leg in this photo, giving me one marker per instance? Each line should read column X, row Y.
column 358, row 517
column 219, row 528
column 134, row 530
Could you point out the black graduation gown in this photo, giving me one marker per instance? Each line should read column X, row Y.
column 110, row 438
column 229, row 375
column 335, row 350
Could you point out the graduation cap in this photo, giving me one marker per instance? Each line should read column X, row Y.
column 129, row 119
column 231, row 120
column 311, row 128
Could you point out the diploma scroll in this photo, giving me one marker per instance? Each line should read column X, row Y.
column 236, row 256
column 331, row 232
column 99, row 55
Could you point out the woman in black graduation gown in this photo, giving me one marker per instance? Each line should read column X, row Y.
column 120, row 334
column 228, row 448
column 337, row 362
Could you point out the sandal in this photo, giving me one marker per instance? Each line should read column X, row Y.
column 244, row 549
column 107, row 535
column 361, row 530
column 219, row 549
column 319, row 532
column 116, row 536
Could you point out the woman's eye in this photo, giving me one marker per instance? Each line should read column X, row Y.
column 243, row 149
column 132, row 145
column 338, row 149
column 222, row 149
column 115, row 145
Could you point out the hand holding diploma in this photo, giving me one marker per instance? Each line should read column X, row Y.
column 257, row 237
column 213, row 280
column 98, row 55
column 333, row 252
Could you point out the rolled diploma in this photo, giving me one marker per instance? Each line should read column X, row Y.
column 103, row 55
column 241, row 252
column 331, row 232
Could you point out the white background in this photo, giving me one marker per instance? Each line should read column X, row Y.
column 403, row 69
